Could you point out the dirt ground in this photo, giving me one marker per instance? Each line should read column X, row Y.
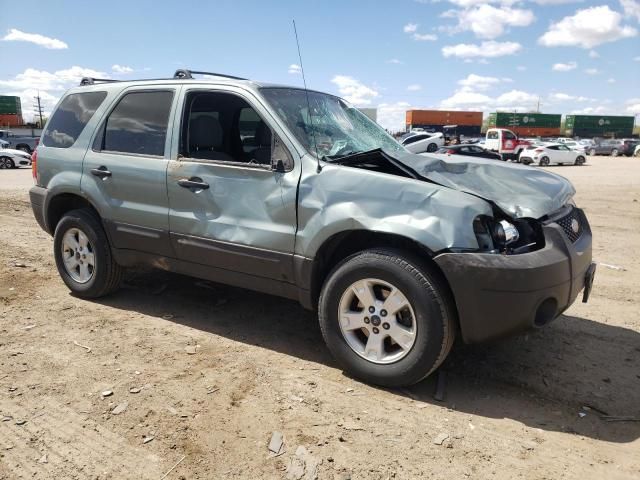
column 204, row 374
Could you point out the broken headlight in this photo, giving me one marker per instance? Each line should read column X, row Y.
column 504, row 236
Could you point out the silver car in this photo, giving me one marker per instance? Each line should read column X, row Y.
column 298, row 194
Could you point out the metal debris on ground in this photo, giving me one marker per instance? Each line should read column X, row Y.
column 439, row 440
column 613, row 267
column 440, row 386
column 29, row 327
column 276, row 443
column 120, row 408
column 107, row 393
column 148, row 439
column 88, row 349
column 174, row 466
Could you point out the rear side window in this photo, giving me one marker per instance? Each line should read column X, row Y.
column 138, row 124
column 70, row 118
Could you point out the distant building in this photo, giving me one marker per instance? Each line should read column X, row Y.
column 372, row 113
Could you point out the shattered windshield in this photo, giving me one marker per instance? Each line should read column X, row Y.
column 333, row 129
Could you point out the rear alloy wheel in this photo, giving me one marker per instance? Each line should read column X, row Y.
column 386, row 317
column 544, row 161
column 83, row 255
column 579, row 160
column 432, row 148
column 592, row 152
column 6, row 162
column 614, row 152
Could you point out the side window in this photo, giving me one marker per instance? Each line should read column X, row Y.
column 415, row 138
column 70, row 118
column 138, row 124
column 224, row 127
column 509, row 136
column 492, row 135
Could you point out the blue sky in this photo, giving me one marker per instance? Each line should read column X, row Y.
column 571, row 56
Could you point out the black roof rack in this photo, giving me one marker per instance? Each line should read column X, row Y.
column 179, row 75
column 183, row 73
column 91, row 80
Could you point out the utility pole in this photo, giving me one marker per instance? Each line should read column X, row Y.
column 37, row 107
column 538, row 107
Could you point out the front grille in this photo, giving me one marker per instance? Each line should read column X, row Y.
column 568, row 224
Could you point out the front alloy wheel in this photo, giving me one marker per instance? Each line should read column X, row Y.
column 5, row 162
column 377, row 321
column 387, row 316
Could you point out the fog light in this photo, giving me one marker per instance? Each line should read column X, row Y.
column 505, row 233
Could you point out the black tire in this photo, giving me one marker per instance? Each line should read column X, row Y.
column 544, row 161
column 614, row 152
column 6, row 162
column 107, row 274
column 430, row 299
column 432, row 147
column 579, row 160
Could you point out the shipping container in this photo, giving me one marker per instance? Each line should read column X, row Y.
column 415, row 118
column 10, row 105
column 10, row 120
column 588, row 126
column 536, row 120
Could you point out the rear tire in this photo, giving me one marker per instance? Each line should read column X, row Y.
column 544, row 161
column 614, row 152
column 579, row 160
column 6, row 163
column 89, row 269
column 430, row 316
column 432, row 148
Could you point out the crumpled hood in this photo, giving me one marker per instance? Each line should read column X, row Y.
column 519, row 190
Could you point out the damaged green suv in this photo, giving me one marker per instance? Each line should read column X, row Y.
column 298, row 194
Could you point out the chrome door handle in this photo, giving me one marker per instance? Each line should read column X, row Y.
column 101, row 172
column 193, row 182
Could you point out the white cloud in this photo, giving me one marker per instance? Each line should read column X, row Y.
column 591, row 111
column 478, row 82
column 631, row 8
column 425, row 37
column 51, row 85
column 636, row 59
column 410, row 28
column 121, row 69
column 464, row 99
column 554, row 2
column 564, row 67
column 353, row 91
column 611, row 80
column 592, row 71
column 633, row 106
column 414, row 87
column 294, row 69
column 593, row 54
column 521, row 68
column 587, row 28
column 517, row 99
column 392, row 116
column 565, row 97
column 487, row 21
column 489, row 49
column 394, row 61
column 15, row 35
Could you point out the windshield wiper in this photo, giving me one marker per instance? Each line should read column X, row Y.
column 350, row 155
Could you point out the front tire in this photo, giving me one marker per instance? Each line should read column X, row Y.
column 544, row 161
column 432, row 148
column 579, row 160
column 6, row 163
column 386, row 317
column 614, row 152
column 83, row 255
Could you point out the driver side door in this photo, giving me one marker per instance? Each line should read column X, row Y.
column 230, row 209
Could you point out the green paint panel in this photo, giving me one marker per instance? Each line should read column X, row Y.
column 531, row 120
column 10, row 105
column 599, row 125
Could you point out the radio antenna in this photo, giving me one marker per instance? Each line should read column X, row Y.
column 306, row 92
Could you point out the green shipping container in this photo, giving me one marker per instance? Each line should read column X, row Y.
column 599, row 126
column 10, row 105
column 530, row 120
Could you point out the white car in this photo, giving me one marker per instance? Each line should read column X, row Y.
column 556, row 153
column 10, row 158
column 636, row 152
column 423, row 142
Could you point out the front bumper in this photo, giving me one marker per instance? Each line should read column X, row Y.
column 499, row 295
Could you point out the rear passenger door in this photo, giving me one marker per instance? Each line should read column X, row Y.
column 125, row 170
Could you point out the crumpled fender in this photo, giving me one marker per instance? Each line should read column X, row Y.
column 340, row 199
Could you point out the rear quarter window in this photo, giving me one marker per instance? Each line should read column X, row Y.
column 70, row 118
